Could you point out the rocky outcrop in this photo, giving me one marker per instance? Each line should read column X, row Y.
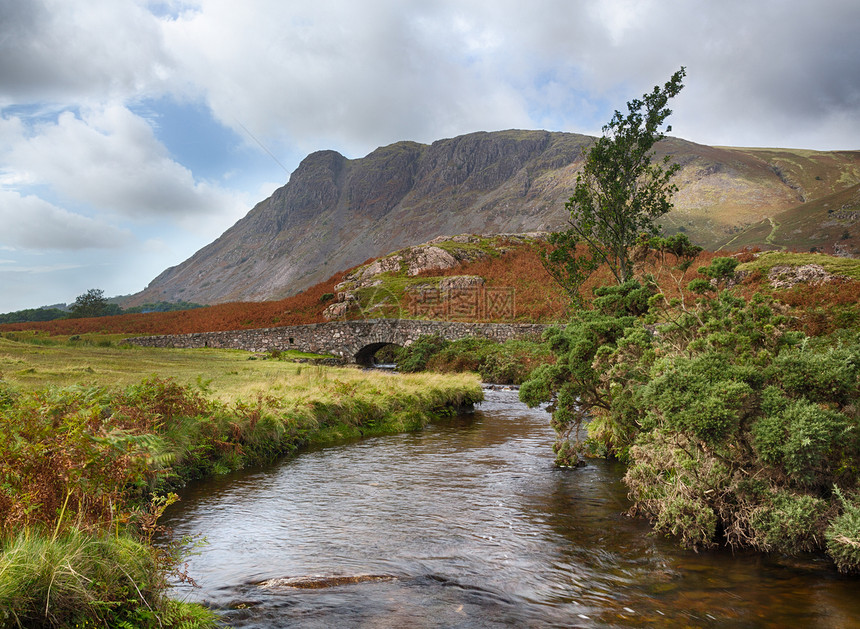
column 787, row 276
column 461, row 282
column 409, row 262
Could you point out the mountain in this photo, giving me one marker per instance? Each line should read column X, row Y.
column 336, row 212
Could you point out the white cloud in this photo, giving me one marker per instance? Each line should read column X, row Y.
column 355, row 76
column 29, row 222
column 109, row 158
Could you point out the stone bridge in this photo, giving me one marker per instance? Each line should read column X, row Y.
column 351, row 341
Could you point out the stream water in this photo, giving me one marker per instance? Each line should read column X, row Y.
column 468, row 524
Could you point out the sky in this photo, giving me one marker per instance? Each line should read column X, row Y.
column 135, row 132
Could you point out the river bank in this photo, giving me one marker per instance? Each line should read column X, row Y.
column 86, row 469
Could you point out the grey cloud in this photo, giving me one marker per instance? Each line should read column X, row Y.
column 355, row 75
column 360, row 75
column 32, row 223
column 767, row 72
column 55, row 49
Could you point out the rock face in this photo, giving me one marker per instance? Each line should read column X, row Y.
column 336, row 212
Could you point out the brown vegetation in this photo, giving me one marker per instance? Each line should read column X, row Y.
column 818, row 308
column 306, row 307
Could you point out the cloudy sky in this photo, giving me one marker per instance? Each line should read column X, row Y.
column 134, row 132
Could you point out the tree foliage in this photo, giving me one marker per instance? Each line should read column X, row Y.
column 619, row 193
column 33, row 314
column 93, row 303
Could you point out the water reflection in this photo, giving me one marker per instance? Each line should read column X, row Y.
column 479, row 530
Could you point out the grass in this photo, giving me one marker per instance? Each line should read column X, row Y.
column 34, row 365
column 97, row 428
column 81, row 580
column 484, row 246
column 847, row 267
column 92, row 444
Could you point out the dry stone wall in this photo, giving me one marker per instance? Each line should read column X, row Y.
column 352, row 341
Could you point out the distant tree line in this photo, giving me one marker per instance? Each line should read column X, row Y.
column 93, row 303
column 33, row 314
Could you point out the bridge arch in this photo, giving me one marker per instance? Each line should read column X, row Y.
column 364, row 356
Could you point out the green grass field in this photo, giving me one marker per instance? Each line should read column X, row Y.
column 37, row 361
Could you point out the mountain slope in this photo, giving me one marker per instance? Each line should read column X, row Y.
column 335, row 212
column 831, row 224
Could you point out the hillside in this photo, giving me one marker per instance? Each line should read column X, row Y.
column 485, row 278
column 336, row 212
column 830, row 223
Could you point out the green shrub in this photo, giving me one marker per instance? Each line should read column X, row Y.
column 704, row 396
column 414, row 357
column 732, row 423
column 805, row 440
column 830, row 375
column 629, row 298
column 692, row 521
column 510, row 362
column 720, row 269
column 787, row 522
column 843, row 536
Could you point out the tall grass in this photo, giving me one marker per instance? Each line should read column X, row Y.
column 78, row 579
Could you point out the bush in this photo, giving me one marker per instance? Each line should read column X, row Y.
column 805, row 440
column 843, row 536
column 703, row 396
column 732, row 423
column 825, row 375
column 414, row 357
column 691, row 520
column 510, row 362
column 720, row 269
column 787, row 522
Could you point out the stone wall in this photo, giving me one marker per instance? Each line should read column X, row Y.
column 352, row 341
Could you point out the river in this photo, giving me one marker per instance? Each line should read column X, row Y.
column 468, row 524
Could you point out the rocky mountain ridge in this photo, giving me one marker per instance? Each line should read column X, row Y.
column 336, row 212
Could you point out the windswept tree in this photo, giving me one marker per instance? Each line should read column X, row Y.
column 619, row 193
